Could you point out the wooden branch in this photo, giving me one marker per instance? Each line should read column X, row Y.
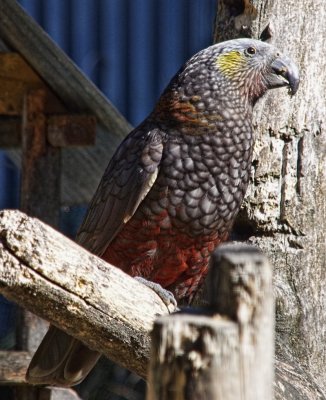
column 52, row 276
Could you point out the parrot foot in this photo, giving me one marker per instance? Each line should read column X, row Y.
column 166, row 296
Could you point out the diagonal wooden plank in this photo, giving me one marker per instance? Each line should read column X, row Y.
column 24, row 35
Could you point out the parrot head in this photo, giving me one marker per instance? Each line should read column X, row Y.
column 226, row 78
column 253, row 67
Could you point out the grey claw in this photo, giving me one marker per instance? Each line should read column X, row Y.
column 166, row 296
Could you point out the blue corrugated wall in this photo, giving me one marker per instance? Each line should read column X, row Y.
column 129, row 48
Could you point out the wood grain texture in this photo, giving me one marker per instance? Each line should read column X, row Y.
column 240, row 287
column 205, row 356
column 194, row 357
column 52, row 276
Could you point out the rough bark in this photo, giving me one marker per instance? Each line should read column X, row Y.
column 194, row 357
column 205, row 356
column 58, row 280
column 285, row 209
column 240, row 287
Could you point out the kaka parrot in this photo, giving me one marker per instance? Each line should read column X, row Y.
column 175, row 184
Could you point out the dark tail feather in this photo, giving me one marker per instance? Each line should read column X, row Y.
column 60, row 360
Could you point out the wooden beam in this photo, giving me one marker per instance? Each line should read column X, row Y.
column 40, row 193
column 71, row 130
column 10, row 132
column 79, row 94
column 41, row 167
column 62, row 131
column 16, row 78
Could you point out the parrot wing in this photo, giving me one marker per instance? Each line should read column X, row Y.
column 126, row 181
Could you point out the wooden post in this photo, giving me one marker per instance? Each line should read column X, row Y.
column 40, row 187
column 227, row 356
column 194, row 357
column 240, row 287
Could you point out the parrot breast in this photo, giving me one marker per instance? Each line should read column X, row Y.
column 188, row 211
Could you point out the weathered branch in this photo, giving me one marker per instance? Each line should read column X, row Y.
column 50, row 275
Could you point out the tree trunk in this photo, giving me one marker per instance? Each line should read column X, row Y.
column 285, row 210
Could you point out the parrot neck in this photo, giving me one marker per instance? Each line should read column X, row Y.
column 199, row 114
column 248, row 92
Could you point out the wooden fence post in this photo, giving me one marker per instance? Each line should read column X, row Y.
column 225, row 351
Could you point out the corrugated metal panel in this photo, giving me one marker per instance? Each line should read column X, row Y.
column 129, row 48
column 9, row 183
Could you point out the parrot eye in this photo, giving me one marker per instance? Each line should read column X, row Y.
column 250, row 51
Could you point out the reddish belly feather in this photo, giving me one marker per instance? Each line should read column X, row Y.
column 159, row 252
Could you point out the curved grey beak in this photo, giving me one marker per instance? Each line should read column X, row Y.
column 286, row 73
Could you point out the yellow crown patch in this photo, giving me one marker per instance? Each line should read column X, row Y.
column 229, row 63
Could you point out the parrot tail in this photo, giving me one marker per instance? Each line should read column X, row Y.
column 60, row 360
